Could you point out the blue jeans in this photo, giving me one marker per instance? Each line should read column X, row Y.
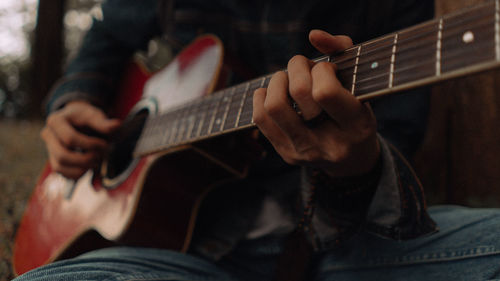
column 467, row 247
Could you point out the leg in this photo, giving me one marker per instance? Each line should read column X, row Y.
column 467, row 247
column 129, row 264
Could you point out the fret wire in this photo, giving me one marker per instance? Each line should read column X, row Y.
column 212, row 119
column 415, row 53
column 158, row 135
column 188, row 123
column 325, row 58
column 198, row 110
column 355, row 70
column 413, row 29
column 457, row 56
column 175, row 128
column 153, row 138
column 192, row 120
column 497, row 29
column 243, row 103
column 408, row 67
column 400, row 46
column 227, row 108
column 265, row 81
column 417, row 28
column 393, row 60
column 346, row 58
column 152, row 134
column 438, row 48
column 204, row 115
column 376, row 51
column 413, row 50
column 182, row 126
column 145, row 138
column 194, row 115
column 248, row 108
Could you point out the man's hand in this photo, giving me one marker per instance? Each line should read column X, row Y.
column 345, row 144
column 72, row 152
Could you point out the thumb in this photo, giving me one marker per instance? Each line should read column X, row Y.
column 327, row 43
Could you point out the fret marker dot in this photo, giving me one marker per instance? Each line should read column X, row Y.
column 468, row 37
column 217, row 121
column 374, row 65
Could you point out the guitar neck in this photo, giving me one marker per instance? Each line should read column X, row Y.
column 454, row 45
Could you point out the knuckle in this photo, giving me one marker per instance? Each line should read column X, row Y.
column 52, row 119
column 43, row 133
column 340, row 154
column 280, row 76
column 312, row 156
column 296, row 59
column 301, row 88
column 272, row 108
column 323, row 66
column 291, row 160
column 55, row 165
column 69, row 141
column 258, row 118
column 325, row 94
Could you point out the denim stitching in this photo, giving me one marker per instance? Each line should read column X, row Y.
column 442, row 256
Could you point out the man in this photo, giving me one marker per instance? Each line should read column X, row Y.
column 354, row 186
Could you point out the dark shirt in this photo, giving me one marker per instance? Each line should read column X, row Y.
column 263, row 36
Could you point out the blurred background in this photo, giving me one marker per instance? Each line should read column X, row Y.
column 459, row 162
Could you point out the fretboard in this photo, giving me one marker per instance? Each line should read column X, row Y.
column 454, row 45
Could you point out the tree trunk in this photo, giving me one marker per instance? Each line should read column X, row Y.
column 47, row 52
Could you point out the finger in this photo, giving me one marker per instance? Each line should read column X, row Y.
column 277, row 106
column 299, row 73
column 71, row 138
column 67, row 171
column 85, row 115
column 327, row 43
column 265, row 124
column 63, row 157
column 337, row 101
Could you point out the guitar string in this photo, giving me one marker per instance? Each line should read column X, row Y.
column 417, row 32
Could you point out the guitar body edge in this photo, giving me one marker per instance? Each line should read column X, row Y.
column 156, row 205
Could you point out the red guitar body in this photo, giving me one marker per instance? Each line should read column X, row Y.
column 156, row 203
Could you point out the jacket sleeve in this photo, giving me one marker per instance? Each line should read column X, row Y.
column 389, row 202
column 126, row 26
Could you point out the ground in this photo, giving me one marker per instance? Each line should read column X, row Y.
column 22, row 157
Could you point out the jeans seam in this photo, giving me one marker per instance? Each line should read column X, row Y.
column 442, row 256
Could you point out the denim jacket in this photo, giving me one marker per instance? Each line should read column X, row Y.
column 263, row 35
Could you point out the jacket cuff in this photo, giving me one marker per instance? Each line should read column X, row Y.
column 80, row 86
column 398, row 209
column 388, row 202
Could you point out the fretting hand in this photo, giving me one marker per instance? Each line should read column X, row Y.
column 345, row 143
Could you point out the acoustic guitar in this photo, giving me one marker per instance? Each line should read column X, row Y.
column 142, row 195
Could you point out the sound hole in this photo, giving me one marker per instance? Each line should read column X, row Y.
column 119, row 160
